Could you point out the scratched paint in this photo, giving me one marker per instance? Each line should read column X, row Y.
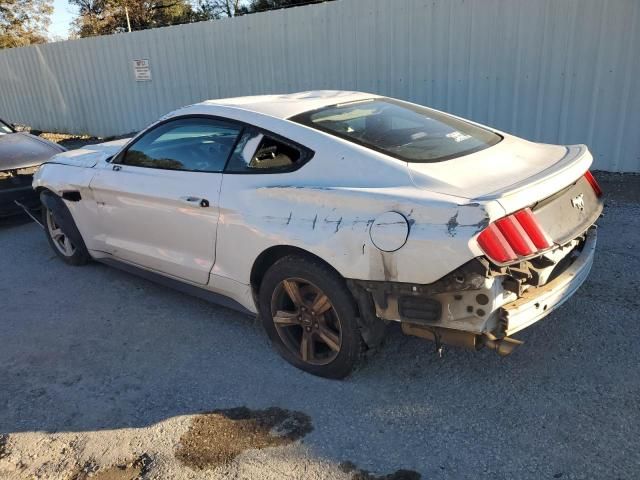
column 452, row 224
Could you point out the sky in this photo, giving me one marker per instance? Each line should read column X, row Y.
column 63, row 13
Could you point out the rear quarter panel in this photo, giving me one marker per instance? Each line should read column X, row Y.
column 333, row 222
column 327, row 208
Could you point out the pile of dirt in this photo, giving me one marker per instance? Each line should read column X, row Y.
column 214, row 439
column 71, row 142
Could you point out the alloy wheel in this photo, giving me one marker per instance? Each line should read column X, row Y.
column 306, row 321
column 60, row 239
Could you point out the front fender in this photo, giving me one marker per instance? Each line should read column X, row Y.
column 62, row 216
column 61, row 178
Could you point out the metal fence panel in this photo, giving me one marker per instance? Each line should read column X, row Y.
column 556, row 71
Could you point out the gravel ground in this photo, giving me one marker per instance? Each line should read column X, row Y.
column 104, row 375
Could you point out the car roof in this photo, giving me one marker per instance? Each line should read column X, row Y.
column 286, row 105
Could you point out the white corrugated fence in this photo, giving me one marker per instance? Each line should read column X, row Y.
column 556, row 71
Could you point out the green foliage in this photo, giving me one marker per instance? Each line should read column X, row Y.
column 212, row 9
column 262, row 5
column 104, row 17
column 24, row 22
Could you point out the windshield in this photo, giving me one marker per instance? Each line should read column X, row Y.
column 409, row 132
column 4, row 128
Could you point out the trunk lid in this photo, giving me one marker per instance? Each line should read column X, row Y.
column 568, row 213
column 515, row 172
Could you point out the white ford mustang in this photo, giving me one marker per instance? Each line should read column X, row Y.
column 332, row 213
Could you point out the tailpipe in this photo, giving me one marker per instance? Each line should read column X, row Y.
column 503, row 346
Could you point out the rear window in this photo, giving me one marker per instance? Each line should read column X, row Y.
column 409, row 132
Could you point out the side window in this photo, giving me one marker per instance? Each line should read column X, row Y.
column 257, row 152
column 193, row 144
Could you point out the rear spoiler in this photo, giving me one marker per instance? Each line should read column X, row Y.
column 565, row 171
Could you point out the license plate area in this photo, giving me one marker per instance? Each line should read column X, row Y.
column 569, row 212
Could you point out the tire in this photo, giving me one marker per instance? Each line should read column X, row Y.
column 71, row 252
column 315, row 334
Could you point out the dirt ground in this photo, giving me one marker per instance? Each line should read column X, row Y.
column 107, row 376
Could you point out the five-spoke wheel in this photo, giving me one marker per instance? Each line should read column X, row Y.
column 62, row 233
column 306, row 321
column 60, row 240
column 310, row 316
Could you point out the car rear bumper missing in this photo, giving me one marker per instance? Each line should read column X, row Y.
column 536, row 303
column 478, row 305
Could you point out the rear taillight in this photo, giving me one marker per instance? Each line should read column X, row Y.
column 515, row 236
column 537, row 235
column 594, row 183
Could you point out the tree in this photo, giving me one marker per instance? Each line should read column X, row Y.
column 212, row 9
column 262, row 5
column 104, row 17
column 24, row 22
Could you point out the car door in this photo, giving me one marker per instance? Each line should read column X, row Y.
column 251, row 217
column 158, row 198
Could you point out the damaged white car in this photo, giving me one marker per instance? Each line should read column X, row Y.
column 333, row 213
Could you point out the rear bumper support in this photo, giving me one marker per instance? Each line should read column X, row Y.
column 474, row 308
column 535, row 304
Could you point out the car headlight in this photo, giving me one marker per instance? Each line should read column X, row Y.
column 27, row 170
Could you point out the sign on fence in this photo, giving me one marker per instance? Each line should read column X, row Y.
column 142, row 70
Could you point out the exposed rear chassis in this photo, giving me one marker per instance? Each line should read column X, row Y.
column 467, row 309
column 536, row 303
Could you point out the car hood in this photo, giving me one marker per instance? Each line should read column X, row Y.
column 89, row 155
column 513, row 166
column 20, row 150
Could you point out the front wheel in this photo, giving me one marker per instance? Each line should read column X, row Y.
column 310, row 317
column 61, row 242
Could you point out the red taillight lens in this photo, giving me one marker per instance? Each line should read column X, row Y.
column 537, row 235
column 594, row 183
column 495, row 245
column 514, row 236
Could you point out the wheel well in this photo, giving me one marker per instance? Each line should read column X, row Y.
column 270, row 256
column 372, row 329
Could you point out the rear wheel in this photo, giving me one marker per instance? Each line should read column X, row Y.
column 310, row 317
column 61, row 242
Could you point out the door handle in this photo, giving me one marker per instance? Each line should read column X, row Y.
column 202, row 202
column 117, row 168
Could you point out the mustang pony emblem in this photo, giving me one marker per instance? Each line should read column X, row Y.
column 578, row 202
